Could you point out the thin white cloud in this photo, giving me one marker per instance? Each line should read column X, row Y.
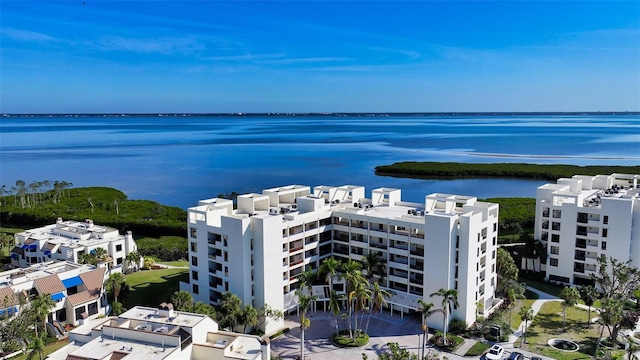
column 26, row 35
column 304, row 60
column 244, row 57
column 411, row 54
column 166, row 45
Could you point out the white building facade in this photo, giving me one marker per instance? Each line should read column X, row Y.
column 67, row 240
column 258, row 251
column 582, row 218
column 159, row 334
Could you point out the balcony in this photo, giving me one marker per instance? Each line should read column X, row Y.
column 545, row 225
column 545, row 213
column 417, row 251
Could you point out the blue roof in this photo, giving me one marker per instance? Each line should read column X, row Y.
column 47, row 252
column 14, row 256
column 24, row 247
column 57, row 296
column 71, row 282
column 10, row 310
column 33, row 247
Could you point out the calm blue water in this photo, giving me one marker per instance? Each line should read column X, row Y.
column 179, row 160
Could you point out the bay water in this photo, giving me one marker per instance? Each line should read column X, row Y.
column 180, row 159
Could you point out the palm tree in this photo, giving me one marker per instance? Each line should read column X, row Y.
column 515, row 291
column 373, row 264
column 307, row 278
column 330, row 267
column 40, row 307
column 449, row 297
column 526, row 314
column 115, row 283
column 589, row 295
column 379, row 298
column 360, row 296
column 249, row 316
column 231, row 310
column 133, row 260
column 182, row 300
column 304, row 303
column 353, row 276
column 569, row 296
column 425, row 310
column 334, row 306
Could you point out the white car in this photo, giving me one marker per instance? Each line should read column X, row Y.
column 495, row 353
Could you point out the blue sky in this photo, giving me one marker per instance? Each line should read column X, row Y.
column 319, row 56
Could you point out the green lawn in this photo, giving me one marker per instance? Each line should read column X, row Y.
column 47, row 350
column 548, row 324
column 152, row 287
column 10, row 230
column 182, row 263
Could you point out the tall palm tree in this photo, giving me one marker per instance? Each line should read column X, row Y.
column 515, row 291
column 359, row 296
column 133, row 260
column 334, row 306
column 373, row 264
column 449, row 298
column 307, row 278
column 526, row 314
column 425, row 310
column 115, row 283
column 569, row 296
column 589, row 295
column 304, row 303
column 330, row 267
column 39, row 307
column 379, row 298
column 353, row 276
column 249, row 316
column 182, row 300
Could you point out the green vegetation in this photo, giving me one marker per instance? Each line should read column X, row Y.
column 37, row 204
column 515, row 215
column 435, row 170
column 343, row 339
column 164, row 248
column 477, row 349
column 152, row 287
column 48, row 349
column 548, row 324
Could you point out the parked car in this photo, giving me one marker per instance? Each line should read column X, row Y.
column 516, row 356
column 495, row 353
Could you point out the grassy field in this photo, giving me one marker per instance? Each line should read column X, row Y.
column 47, row 350
column 548, row 324
column 10, row 230
column 152, row 287
column 181, row 263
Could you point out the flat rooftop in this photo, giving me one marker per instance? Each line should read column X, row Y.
column 36, row 271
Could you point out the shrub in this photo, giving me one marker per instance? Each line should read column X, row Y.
column 457, row 326
column 342, row 339
column 453, row 341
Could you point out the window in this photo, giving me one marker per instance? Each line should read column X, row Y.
column 604, row 245
column 553, row 262
column 555, row 250
column 119, row 247
column 226, row 271
column 194, row 246
column 226, row 256
column 605, row 219
column 224, row 240
column 195, row 288
column 194, row 275
column 555, row 238
column 194, row 261
column 193, row 232
column 119, row 261
column 605, row 232
column 495, row 227
column 226, row 286
column 92, row 308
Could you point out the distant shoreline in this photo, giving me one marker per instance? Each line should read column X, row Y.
column 440, row 170
column 341, row 114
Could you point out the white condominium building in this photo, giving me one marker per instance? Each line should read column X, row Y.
column 67, row 240
column 258, row 251
column 159, row 334
column 585, row 217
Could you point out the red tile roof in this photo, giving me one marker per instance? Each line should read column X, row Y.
column 93, row 280
column 7, row 297
column 49, row 285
